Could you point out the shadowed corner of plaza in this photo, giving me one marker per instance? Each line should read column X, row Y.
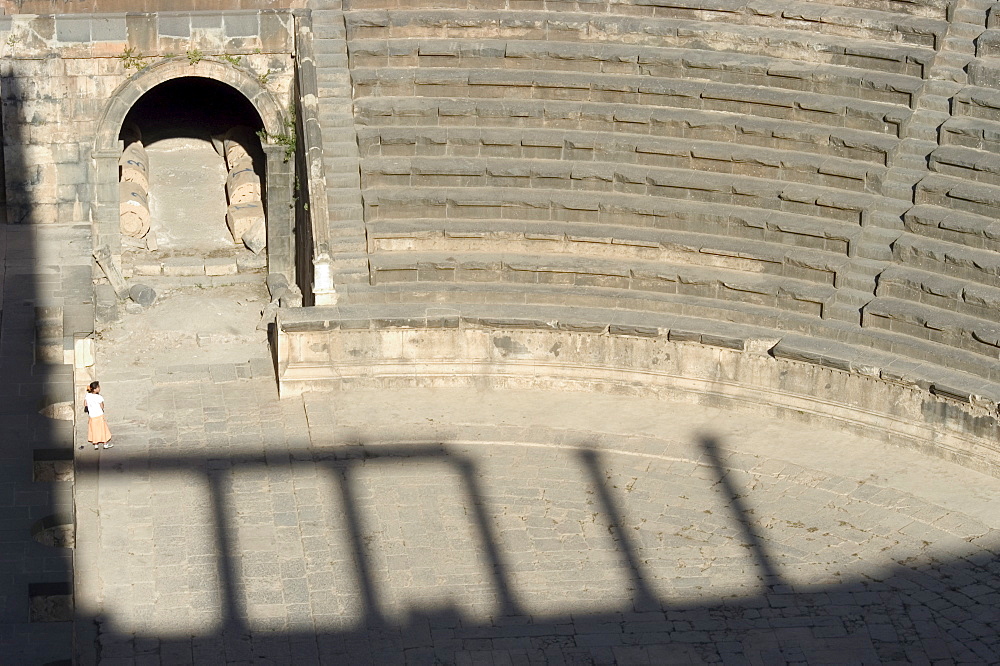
column 37, row 453
column 783, row 622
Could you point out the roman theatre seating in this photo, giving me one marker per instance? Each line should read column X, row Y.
column 824, row 170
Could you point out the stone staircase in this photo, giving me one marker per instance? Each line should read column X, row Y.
column 334, row 112
column 946, row 77
column 907, row 164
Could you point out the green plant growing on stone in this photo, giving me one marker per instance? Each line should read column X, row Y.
column 263, row 78
column 194, row 56
column 288, row 139
column 132, row 59
column 233, row 60
column 12, row 41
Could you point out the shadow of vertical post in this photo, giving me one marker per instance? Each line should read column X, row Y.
column 234, row 611
column 741, row 514
column 498, row 568
column 373, row 609
column 30, row 632
column 643, row 598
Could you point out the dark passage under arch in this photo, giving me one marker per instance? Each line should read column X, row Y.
column 178, row 123
column 191, row 106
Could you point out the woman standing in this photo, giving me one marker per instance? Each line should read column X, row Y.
column 97, row 427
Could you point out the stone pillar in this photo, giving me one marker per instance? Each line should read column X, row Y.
column 280, row 212
column 324, row 291
column 105, row 205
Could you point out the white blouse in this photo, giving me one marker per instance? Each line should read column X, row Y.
column 95, row 404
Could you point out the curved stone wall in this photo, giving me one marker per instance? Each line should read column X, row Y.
column 819, row 170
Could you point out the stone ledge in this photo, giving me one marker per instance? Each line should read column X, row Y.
column 664, row 20
column 598, row 179
column 196, row 266
column 740, row 220
column 914, row 403
column 632, row 119
column 816, row 248
column 945, row 258
column 675, row 61
column 508, row 148
column 689, row 93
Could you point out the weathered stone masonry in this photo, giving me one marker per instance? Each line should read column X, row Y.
column 69, row 81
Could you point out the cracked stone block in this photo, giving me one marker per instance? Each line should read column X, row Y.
column 50, row 602
column 251, row 263
column 221, row 266
column 147, row 267
column 183, row 266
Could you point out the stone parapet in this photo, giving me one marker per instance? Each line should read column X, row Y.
column 156, row 34
column 743, row 367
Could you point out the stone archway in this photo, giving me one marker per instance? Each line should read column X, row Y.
column 278, row 172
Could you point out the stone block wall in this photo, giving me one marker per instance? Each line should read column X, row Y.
column 558, row 347
column 112, row 6
column 58, row 74
column 823, row 174
column 803, row 164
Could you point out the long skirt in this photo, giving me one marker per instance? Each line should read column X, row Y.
column 97, row 430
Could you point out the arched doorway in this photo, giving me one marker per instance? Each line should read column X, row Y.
column 194, row 163
column 172, row 95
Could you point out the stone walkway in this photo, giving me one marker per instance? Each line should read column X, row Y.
column 46, row 300
column 456, row 527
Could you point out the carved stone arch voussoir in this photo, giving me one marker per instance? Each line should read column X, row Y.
column 129, row 92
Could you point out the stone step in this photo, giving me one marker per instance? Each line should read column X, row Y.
column 974, row 17
column 937, row 104
column 335, row 91
column 941, row 88
column 911, row 161
column 328, row 74
column 847, row 306
column 349, row 275
column 932, row 244
column 334, row 119
column 978, row 337
column 345, row 164
column 825, row 106
column 964, row 31
column 330, row 49
column 340, row 149
column 329, row 26
column 343, row 179
column 958, row 45
column 874, row 248
column 347, row 249
column 940, row 291
column 340, row 210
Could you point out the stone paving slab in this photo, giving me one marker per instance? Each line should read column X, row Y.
column 437, row 526
column 45, row 296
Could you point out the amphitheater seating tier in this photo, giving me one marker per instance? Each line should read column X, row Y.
column 951, row 259
column 920, row 23
column 825, row 169
column 608, row 119
column 685, row 152
column 472, row 84
column 606, row 34
column 612, row 208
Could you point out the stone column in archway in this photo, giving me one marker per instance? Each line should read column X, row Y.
column 106, row 210
column 280, row 212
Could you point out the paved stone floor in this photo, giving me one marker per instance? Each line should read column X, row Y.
column 187, row 195
column 45, row 294
column 451, row 526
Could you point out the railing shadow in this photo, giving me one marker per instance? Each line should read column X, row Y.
column 901, row 617
column 36, row 450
